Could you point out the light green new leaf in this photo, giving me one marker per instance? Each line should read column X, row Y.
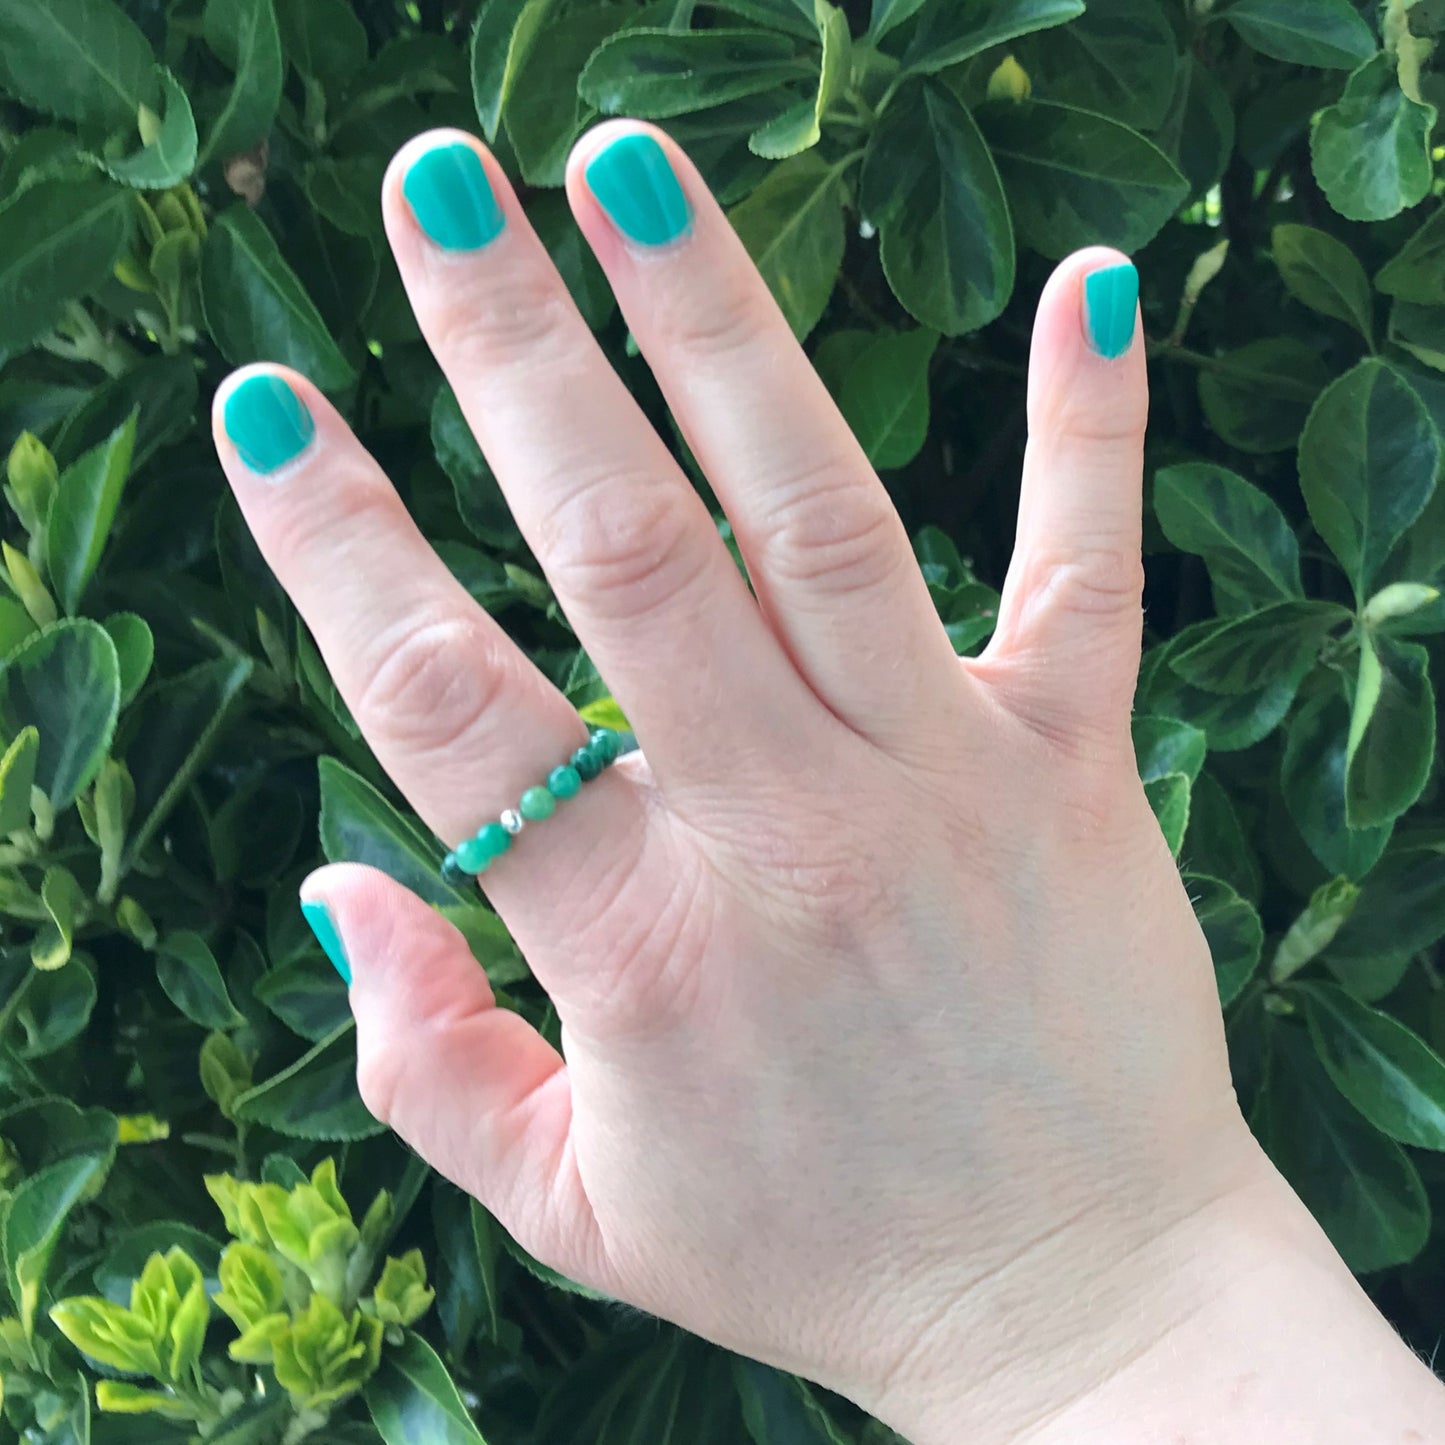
column 17, row 777
column 1417, row 271
column 1392, row 731
column 64, row 902
column 245, row 36
column 1371, row 149
column 504, row 33
column 1077, row 179
column 1328, row 34
column 81, row 60
column 62, row 237
column 1367, row 463
column 1248, row 546
column 885, row 395
column 792, row 226
column 659, row 73
column 256, row 308
column 83, row 511
column 931, row 186
column 1310, row 934
column 950, row 33
column 1326, row 275
column 168, row 159
column 187, row 971
column 801, row 125
column 1390, row 1074
column 1231, row 928
column 1241, row 654
column 64, row 681
column 316, row 1097
column 413, row 1401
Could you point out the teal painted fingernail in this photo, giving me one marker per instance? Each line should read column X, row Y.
column 319, row 917
column 1110, row 298
column 635, row 185
column 450, row 196
column 267, row 422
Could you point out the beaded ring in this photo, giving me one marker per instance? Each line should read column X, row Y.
column 491, row 840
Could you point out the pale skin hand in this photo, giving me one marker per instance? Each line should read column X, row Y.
column 893, row 1054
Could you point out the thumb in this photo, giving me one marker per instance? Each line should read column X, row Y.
column 473, row 1088
column 1065, row 654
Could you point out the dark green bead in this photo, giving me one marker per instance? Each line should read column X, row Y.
column 473, row 855
column 605, row 745
column 453, row 872
column 537, row 804
column 587, row 763
column 495, row 839
column 564, row 782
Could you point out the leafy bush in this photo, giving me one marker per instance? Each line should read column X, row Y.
column 190, row 185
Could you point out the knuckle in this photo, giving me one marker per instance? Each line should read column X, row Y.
column 502, row 324
column 632, row 538
column 433, row 683
column 1076, row 414
column 1099, row 581
column 706, row 322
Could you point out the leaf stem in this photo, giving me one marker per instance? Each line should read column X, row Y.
column 1221, row 366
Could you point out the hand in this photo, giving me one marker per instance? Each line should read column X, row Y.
column 893, row 1052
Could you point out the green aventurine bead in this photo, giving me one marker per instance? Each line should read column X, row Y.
column 473, row 855
column 564, row 782
column 587, row 763
column 605, row 745
column 536, row 804
column 453, row 872
column 495, row 839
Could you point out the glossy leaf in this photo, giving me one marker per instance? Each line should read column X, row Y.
column 885, row 396
column 1077, row 179
column 171, row 156
column 1417, row 271
column 324, row 39
column 1314, row 928
column 83, row 511
column 1371, row 148
column 948, row 34
column 256, row 309
column 801, row 126
column 413, row 1401
column 1324, row 274
column 1392, row 732
column 187, row 971
column 17, row 777
column 1420, row 330
column 245, row 36
column 930, row 185
column 316, row 1097
column 781, row 1408
column 479, row 497
column 1168, row 796
column 1240, row 654
column 1402, row 902
column 1326, row 33
column 505, row 31
column 1231, row 928
column 135, row 649
column 1367, row 463
column 1258, row 397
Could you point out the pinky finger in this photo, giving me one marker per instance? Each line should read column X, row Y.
column 473, row 1088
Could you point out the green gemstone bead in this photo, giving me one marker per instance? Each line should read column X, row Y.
column 473, row 855
column 453, row 872
column 536, row 804
column 587, row 763
column 605, row 745
column 564, row 782
column 495, row 839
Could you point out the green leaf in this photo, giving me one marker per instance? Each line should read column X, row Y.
column 1164, row 745
column 659, row 73
column 61, row 239
column 56, row 1008
column 245, row 36
column 1402, row 903
column 134, row 649
column 1119, row 59
column 307, row 996
column 1325, row 274
column 1258, row 397
column 504, row 33
column 1232, row 929
column 1311, row 932
column 64, row 681
column 170, row 158
column 889, row 14
column 324, row 39
column 792, row 226
column 801, row 125
column 1371, row 149
column 1312, row 778
column 1248, row 546
column 1235, row 655
column 81, row 60
column 479, row 497
column 947, row 34
column 413, row 1401
column 187, row 971
column 17, row 777
column 316, row 1097
column 1417, row 271
column 172, row 733
column 1367, row 463
column 1328, row 34
column 162, row 390
column 256, row 309
column 885, row 395
column 84, row 509
column 1216, row 844
column 1361, row 1186
column 358, row 825
column 63, row 901
column 1392, row 732
column 1077, row 179
column 781, row 1409
column 1168, row 796
column 1391, row 1075
column 930, row 185
column 1420, row 330
column 1199, row 129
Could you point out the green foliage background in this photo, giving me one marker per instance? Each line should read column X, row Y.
column 186, row 185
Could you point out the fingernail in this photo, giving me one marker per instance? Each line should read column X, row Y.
column 1111, row 296
column 318, row 916
column 635, row 185
column 267, row 422
column 450, row 196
